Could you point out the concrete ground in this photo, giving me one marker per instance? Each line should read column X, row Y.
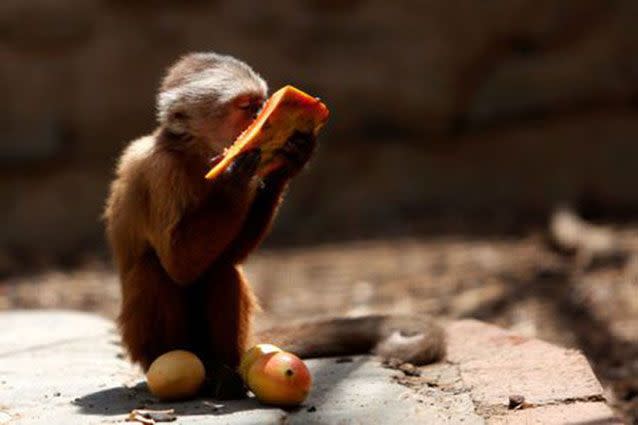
column 60, row 367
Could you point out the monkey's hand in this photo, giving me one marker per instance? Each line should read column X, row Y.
column 294, row 154
column 243, row 168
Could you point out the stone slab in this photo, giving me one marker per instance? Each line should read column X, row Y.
column 557, row 384
column 62, row 367
column 66, row 367
column 497, row 363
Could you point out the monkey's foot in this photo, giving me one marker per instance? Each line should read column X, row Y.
column 224, row 384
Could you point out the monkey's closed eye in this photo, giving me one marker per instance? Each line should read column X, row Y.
column 250, row 105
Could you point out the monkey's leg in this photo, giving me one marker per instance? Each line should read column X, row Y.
column 153, row 317
column 226, row 304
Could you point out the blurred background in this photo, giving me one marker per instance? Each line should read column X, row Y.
column 457, row 127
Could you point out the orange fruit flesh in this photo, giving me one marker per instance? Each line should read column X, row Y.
column 288, row 110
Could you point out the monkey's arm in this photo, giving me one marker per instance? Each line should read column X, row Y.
column 294, row 154
column 198, row 237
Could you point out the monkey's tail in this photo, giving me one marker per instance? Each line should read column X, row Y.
column 415, row 339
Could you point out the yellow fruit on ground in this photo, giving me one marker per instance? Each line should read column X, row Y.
column 176, row 375
column 280, row 379
column 252, row 354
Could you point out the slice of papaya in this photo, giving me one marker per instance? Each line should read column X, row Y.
column 287, row 111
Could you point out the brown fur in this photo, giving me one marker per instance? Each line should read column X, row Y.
column 178, row 239
column 415, row 339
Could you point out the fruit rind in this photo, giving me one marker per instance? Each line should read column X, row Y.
column 251, row 355
column 272, row 385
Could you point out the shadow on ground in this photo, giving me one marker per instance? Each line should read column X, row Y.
column 559, row 291
column 121, row 400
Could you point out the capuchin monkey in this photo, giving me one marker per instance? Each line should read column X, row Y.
column 179, row 239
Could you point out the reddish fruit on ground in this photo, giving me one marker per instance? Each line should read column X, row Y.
column 280, row 379
column 251, row 356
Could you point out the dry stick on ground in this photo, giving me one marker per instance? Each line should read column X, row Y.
column 147, row 416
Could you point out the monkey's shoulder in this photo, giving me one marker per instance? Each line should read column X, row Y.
column 135, row 157
column 144, row 163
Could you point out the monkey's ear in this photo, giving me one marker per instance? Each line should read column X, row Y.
column 171, row 114
column 177, row 122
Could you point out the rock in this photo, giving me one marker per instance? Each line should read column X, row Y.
column 66, row 353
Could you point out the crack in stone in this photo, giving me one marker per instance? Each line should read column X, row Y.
column 487, row 411
column 438, row 384
column 499, row 410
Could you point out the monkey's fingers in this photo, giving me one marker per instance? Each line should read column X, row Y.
column 297, row 150
column 245, row 165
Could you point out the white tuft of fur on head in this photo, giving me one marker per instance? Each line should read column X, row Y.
column 200, row 78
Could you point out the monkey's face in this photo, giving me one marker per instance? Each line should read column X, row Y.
column 211, row 97
column 222, row 129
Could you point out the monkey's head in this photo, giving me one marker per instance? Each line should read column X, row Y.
column 211, row 97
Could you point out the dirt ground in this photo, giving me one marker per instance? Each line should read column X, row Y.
column 519, row 283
